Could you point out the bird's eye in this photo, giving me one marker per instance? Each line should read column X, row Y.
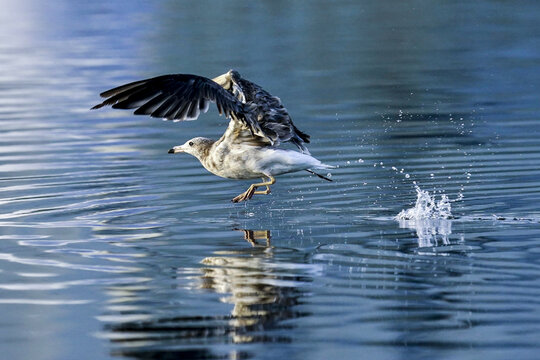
column 191, row 143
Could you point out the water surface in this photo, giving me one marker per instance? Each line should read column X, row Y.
column 111, row 248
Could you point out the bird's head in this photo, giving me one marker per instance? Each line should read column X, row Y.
column 197, row 147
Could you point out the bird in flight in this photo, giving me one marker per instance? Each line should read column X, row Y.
column 248, row 149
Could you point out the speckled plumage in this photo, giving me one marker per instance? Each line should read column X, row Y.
column 249, row 147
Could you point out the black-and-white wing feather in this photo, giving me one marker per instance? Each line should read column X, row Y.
column 176, row 97
column 272, row 116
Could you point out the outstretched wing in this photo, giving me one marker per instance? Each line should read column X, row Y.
column 272, row 116
column 176, row 97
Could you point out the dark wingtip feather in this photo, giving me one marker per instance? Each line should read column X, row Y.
column 98, row 106
column 319, row 175
column 121, row 88
column 302, row 135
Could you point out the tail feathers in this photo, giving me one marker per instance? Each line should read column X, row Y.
column 319, row 175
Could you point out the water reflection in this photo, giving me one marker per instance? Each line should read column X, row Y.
column 263, row 294
column 262, row 291
column 430, row 232
column 252, row 236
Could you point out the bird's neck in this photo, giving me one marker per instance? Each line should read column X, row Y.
column 204, row 152
column 211, row 157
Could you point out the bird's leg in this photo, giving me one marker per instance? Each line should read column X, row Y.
column 266, row 183
column 248, row 194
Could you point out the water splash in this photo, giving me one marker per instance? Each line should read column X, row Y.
column 430, row 217
column 427, row 207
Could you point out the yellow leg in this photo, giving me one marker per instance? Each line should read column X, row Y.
column 248, row 194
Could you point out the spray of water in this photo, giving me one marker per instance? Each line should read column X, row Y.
column 430, row 217
column 427, row 207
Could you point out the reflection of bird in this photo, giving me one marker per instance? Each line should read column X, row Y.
column 253, row 235
column 262, row 291
column 249, row 147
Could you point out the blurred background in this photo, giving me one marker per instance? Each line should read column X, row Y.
column 111, row 248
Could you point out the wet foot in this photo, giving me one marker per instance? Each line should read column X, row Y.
column 245, row 196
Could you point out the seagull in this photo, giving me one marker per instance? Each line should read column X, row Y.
column 248, row 149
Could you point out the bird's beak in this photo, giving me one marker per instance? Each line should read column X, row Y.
column 176, row 149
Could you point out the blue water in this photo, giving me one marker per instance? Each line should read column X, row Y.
column 111, row 248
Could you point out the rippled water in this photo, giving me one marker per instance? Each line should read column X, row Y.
column 111, row 248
